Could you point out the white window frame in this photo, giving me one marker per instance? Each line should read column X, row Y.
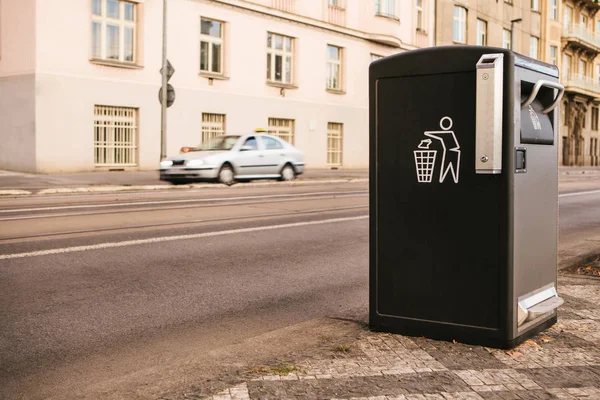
column 481, row 33
column 335, row 143
column 213, row 125
column 566, row 67
column 103, row 20
column 506, row 38
column 386, row 8
column 553, row 9
column 212, row 40
column 282, row 128
column 553, row 53
column 115, row 136
column 284, row 54
column 459, row 27
column 331, row 78
column 535, row 5
column 534, row 47
column 567, row 17
column 420, row 22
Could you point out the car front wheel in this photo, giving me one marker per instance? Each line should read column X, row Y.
column 288, row 173
column 226, row 175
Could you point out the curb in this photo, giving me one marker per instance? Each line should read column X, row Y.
column 112, row 189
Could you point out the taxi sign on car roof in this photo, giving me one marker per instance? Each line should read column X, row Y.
column 260, row 130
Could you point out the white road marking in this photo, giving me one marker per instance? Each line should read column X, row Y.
column 579, row 193
column 142, row 203
column 173, row 238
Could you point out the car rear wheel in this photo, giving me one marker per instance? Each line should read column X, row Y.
column 226, row 175
column 288, row 173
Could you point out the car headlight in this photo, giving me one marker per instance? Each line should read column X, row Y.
column 166, row 163
column 194, row 163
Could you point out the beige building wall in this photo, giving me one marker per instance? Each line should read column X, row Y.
column 17, row 84
column 580, row 42
column 70, row 83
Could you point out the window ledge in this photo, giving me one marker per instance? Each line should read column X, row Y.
column 210, row 75
column 118, row 64
column 387, row 16
column 282, row 85
column 459, row 43
column 335, row 91
column 422, row 31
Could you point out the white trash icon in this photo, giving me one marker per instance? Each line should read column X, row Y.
column 425, row 161
column 425, row 158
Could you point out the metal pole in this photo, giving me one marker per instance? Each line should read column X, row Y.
column 163, row 106
column 512, row 34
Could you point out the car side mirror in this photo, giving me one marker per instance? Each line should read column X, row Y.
column 246, row 148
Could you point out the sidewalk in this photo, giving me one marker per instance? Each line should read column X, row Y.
column 560, row 363
column 18, row 183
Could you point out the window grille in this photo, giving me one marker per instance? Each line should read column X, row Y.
column 213, row 125
column 115, row 136
column 282, row 128
column 334, row 144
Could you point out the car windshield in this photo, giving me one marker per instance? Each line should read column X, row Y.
column 219, row 143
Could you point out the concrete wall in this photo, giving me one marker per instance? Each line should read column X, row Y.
column 17, row 84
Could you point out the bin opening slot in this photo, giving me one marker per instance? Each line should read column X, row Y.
column 536, row 127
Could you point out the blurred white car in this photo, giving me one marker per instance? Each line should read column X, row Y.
column 230, row 158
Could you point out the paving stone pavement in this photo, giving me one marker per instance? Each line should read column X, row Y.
column 561, row 363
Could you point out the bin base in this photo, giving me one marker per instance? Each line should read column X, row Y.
column 479, row 337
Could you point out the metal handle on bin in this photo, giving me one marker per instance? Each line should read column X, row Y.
column 536, row 89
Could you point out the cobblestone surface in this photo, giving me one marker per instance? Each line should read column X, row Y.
column 562, row 362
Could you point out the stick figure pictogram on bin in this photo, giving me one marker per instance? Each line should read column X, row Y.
column 425, row 157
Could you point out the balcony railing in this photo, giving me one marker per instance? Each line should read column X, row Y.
column 581, row 82
column 336, row 15
column 583, row 34
column 284, row 5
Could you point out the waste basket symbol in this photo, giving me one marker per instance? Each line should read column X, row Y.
column 425, row 161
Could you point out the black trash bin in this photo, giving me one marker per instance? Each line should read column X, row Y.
column 463, row 194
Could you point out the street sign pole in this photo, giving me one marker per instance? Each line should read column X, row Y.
column 163, row 106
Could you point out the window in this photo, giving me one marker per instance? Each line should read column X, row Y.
column 535, row 5
column 553, row 10
column 459, row 34
column 334, row 67
column 566, row 67
column 567, row 18
column 506, row 38
column 419, row 7
column 211, row 46
column 335, row 3
column 553, row 50
column 481, row 33
column 334, row 144
column 271, row 144
column 114, row 30
column 594, row 118
column 213, row 125
column 282, row 128
column 115, row 136
column 582, row 71
column 252, row 143
column 583, row 20
column 375, row 57
column 386, row 8
column 534, row 44
column 279, row 58
column 597, row 73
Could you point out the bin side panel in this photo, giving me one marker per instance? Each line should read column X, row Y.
column 441, row 229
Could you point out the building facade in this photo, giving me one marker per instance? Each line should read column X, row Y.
column 79, row 79
column 580, row 73
column 561, row 32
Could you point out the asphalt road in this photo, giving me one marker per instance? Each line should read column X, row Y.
column 132, row 295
